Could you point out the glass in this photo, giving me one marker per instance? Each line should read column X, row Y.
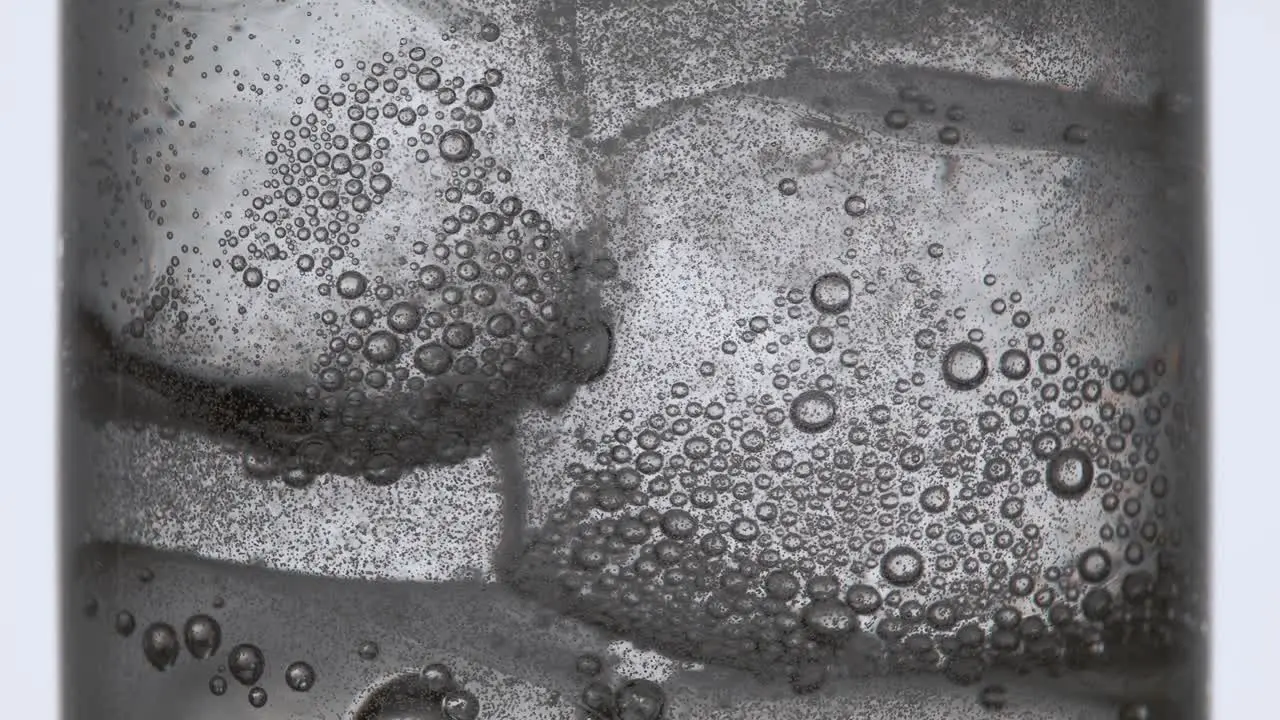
column 475, row 360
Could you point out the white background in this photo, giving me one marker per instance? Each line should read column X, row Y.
column 1245, row 122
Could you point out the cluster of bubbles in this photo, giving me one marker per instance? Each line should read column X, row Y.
column 492, row 316
column 421, row 369
column 765, row 531
column 432, row 692
column 760, row 530
column 201, row 636
column 607, row 698
column 912, row 100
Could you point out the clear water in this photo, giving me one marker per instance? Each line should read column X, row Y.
column 556, row 361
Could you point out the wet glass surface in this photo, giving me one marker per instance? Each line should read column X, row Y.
column 482, row 360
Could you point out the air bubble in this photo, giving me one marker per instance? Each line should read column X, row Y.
column 403, row 317
column 588, row 665
column 1076, row 134
column 1094, row 565
column 863, row 599
column 428, row 79
column 831, row 293
column 352, row 285
column 813, row 411
column 125, row 623
column 678, row 524
column 381, row 347
column 456, row 145
column 901, row 566
column 460, row 704
column 257, row 697
column 964, row 367
column 300, row 676
column 935, row 499
column 203, row 636
column 821, row 339
column 1015, row 364
column 639, row 700
column 480, row 97
column 160, row 645
column 855, row 206
column 437, row 678
column 597, row 697
column 246, row 664
column 1070, row 473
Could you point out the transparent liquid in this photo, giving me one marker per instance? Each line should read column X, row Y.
column 870, row 381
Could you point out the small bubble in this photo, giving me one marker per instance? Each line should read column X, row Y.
column 829, row 618
column 993, row 697
column 428, row 79
column 125, row 623
column 160, row 645
column 437, row 678
column 821, row 339
column 460, row 705
column 1135, row 711
column 1076, row 134
column 456, row 145
column 788, row 186
column 589, row 665
column 949, row 135
column 403, row 317
column 218, row 685
column 246, row 664
column 381, row 347
column 1015, row 364
column 964, row 367
column 896, row 119
column 678, row 524
column 813, row 411
column 855, row 205
column 368, row 650
column 935, row 499
column 863, row 599
column 1070, row 473
column 489, row 32
column 252, row 277
column 300, row 676
column 432, row 359
column 901, row 566
column 203, row 636
column 480, row 97
column 597, row 697
column 831, row 293
column 1094, row 565
column 639, row 700
column 257, row 697
column 352, row 284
